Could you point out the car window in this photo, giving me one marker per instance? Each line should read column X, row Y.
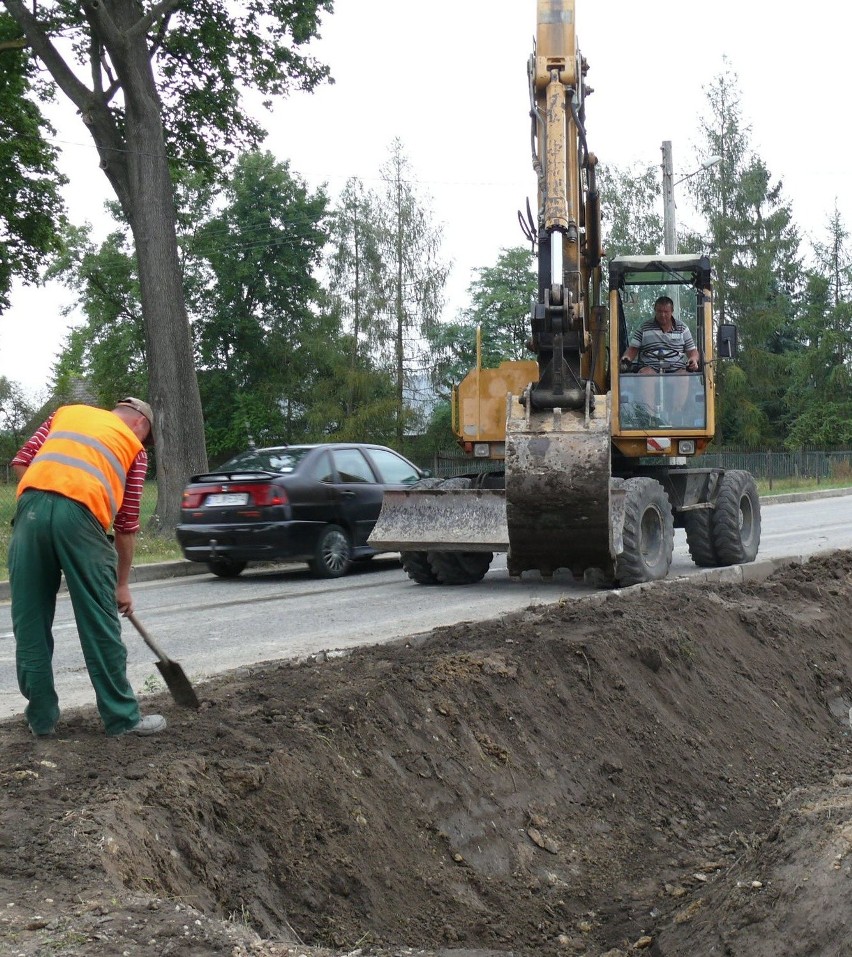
column 393, row 468
column 324, row 470
column 267, row 460
column 352, row 466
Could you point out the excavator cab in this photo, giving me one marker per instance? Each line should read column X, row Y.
column 671, row 413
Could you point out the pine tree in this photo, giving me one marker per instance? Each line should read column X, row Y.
column 414, row 279
column 753, row 244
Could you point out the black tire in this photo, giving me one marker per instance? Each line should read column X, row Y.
column 333, row 553
column 416, row 566
column 648, row 534
column 459, row 568
column 699, row 537
column 226, row 567
column 736, row 519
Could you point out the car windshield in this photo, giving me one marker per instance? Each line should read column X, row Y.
column 266, row 460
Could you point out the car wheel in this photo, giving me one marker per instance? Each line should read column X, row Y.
column 333, row 554
column 226, row 567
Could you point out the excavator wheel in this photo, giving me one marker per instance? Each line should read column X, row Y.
column 736, row 520
column 648, row 534
column 416, row 566
column 699, row 537
column 460, row 568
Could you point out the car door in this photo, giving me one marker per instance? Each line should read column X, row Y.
column 358, row 491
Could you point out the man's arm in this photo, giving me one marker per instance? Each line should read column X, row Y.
column 125, row 527
column 21, row 462
column 125, row 545
column 692, row 360
column 690, row 349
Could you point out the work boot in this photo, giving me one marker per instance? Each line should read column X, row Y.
column 50, row 733
column 150, row 724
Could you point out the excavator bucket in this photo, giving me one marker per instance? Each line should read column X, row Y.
column 558, row 492
column 468, row 520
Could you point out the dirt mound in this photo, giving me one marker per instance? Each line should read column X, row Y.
column 665, row 770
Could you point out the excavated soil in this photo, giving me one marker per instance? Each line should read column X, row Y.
column 664, row 770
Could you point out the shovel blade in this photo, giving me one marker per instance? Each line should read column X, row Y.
column 178, row 684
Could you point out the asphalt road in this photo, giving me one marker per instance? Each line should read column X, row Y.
column 212, row 625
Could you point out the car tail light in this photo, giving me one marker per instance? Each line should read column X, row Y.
column 192, row 497
column 263, row 494
column 258, row 495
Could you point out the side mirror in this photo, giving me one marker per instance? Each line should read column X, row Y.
column 726, row 341
column 426, row 473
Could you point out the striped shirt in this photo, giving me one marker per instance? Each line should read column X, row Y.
column 127, row 518
column 656, row 346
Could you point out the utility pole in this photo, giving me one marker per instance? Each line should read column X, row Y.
column 669, row 221
column 669, row 227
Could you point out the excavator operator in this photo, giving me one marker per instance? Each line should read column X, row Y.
column 663, row 344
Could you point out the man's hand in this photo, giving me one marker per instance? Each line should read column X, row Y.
column 692, row 364
column 123, row 599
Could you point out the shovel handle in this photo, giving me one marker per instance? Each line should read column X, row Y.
column 149, row 641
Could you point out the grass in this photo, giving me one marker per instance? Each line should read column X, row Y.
column 783, row 486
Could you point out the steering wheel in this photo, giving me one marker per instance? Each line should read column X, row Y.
column 658, row 354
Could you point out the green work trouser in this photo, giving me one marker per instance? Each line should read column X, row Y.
column 54, row 535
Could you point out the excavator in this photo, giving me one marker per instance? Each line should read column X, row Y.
column 598, row 460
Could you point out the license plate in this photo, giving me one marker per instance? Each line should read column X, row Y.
column 232, row 498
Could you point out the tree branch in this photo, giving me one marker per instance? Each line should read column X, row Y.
column 43, row 48
column 162, row 9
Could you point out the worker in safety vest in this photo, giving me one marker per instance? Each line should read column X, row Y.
column 80, row 474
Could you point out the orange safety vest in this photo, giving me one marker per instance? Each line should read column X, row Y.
column 85, row 457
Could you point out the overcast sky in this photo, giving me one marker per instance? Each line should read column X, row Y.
column 448, row 77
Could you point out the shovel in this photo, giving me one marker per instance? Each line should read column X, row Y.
column 173, row 675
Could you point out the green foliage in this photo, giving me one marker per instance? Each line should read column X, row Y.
column 629, row 210
column 107, row 351
column 357, row 292
column 16, row 417
column 754, row 246
column 819, row 392
column 262, row 342
column 414, row 278
column 31, row 208
column 501, row 297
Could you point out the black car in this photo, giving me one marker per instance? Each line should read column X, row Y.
column 313, row 503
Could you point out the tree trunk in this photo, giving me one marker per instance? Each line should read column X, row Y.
column 149, row 206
